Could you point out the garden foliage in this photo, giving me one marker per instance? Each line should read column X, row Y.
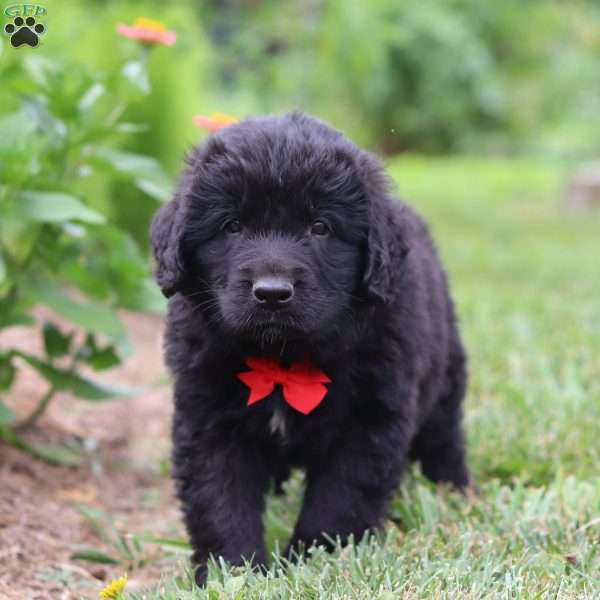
column 426, row 75
column 58, row 245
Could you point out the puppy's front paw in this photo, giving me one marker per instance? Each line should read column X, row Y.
column 200, row 574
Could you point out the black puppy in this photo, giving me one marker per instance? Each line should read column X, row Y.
column 310, row 325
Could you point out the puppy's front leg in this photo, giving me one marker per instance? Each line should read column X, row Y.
column 221, row 483
column 349, row 492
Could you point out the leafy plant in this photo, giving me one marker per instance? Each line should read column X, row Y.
column 58, row 246
column 129, row 550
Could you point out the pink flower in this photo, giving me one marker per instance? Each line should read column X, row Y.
column 148, row 31
column 214, row 122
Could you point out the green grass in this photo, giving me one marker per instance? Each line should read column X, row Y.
column 526, row 278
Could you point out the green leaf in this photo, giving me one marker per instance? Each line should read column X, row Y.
column 98, row 358
column 96, row 556
column 2, row 270
column 7, row 416
column 146, row 298
column 80, row 386
column 98, row 521
column 130, row 163
column 15, row 319
column 126, row 127
column 7, row 372
column 13, row 311
column 16, row 130
column 159, row 189
column 54, row 455
column 91, row 316
column 37, row 110
column 53, row 207
column 144, row 171
column 127, row 162
column 136, row 73
column 56, row 343
column 104, row 358
column 40, row 69
column 173, row 544
column 90, row 97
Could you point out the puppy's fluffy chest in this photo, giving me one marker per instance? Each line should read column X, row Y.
column 278, row 425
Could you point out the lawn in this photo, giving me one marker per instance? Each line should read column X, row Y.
column 526, row 278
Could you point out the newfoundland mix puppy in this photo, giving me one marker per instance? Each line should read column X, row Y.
column 310, row 325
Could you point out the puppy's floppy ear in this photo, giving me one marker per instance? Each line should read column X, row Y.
column 167, row 229
column 376, row 276
column 165, row 236
column 384, row 250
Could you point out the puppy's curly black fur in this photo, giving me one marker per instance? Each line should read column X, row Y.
column 292, row 199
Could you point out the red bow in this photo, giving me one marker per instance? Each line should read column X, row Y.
column 302, row 383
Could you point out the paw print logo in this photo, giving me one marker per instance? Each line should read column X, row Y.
column 24, row 31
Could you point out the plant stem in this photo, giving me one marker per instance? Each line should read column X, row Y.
column 37, row 412
column 40, row 409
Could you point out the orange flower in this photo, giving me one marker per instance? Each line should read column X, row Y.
column 214, row 122
column 148, row 31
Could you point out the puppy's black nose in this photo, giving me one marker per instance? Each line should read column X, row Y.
column 272, row 292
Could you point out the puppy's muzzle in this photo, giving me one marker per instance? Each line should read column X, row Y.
column 272, row 292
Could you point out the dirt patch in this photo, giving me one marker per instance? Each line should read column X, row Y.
column 124, row 480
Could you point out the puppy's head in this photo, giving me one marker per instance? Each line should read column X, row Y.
column 274, row 230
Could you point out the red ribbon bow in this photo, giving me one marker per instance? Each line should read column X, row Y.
column 302, row 383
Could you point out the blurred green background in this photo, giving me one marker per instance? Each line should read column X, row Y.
column 431, row 76
column 427, row 76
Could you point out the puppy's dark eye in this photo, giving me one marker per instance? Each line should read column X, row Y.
column 233, row 226
column 319, row 228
